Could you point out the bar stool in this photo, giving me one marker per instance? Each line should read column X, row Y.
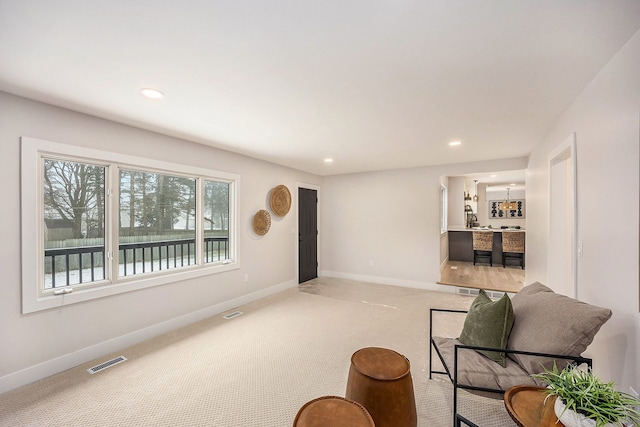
column 483, row 246
column 380, row 380
column 513, row 247
column 332, row 411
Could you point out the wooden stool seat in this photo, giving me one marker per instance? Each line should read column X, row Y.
column 332, row 411
column 482, row 246
column 380, row 380
column 513, row 247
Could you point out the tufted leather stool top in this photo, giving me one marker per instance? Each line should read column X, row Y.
column 380, row 380
column 332, row 411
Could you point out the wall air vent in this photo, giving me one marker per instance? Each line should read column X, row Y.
column 107, row 364
column 232, row 315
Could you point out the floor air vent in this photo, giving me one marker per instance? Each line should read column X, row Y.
column 232, row 315
column 475, row 292
column 467, row 291
column 107, row 364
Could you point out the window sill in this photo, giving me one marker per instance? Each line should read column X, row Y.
column 34, row 303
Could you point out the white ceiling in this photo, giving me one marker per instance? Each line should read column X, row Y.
column 496, row 181
column 375, row 84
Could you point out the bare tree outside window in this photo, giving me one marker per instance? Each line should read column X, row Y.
column 216, row 220
column 157, row 226
column 74, row 205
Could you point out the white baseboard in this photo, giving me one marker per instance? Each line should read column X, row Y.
column 382, row 280
column 84, row 355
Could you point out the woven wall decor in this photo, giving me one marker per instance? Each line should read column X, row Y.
column 261, row 222
column 280, row 200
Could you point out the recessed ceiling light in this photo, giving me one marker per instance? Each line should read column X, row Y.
column 328, row 160
column 493, row 176
column 454, row 143
column 152, row 93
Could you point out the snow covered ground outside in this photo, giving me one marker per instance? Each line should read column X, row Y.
column 140, row 267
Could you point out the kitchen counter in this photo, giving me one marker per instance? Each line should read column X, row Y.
column 486, row 229
column 461, row 244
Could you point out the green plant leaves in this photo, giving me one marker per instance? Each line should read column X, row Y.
column 583, row 392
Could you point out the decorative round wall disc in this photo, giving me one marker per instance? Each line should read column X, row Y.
column 261, row 222
column 280, row 200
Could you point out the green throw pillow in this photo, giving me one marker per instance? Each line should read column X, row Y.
column 488, row 324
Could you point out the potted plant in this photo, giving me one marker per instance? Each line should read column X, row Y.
column 585, row 397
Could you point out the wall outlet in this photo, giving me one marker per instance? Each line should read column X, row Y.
column 246, row 278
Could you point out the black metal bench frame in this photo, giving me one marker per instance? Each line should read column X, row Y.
column 458, row 419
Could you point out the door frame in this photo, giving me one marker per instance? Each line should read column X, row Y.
column 566, row 151
column 297, row 230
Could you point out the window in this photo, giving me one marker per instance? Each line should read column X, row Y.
column 216, row 221
column 92, row 220
column 443, row 209
column 73, row 208
column 157, row 227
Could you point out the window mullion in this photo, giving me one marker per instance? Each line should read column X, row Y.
column 40, row 228
column 112, row 259
column 233, row 221
column 200, row 220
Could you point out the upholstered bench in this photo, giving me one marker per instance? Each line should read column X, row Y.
column 506, row 341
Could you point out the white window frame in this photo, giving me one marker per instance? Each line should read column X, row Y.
column 443, row 209
column 32, row 204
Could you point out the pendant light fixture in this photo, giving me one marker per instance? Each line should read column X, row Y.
column 508, row 205
column 475, row 197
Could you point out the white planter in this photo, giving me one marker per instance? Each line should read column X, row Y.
column 573, row 419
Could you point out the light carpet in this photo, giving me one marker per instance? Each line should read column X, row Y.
column 257, row 369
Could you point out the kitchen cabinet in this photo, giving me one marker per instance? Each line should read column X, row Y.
column 461, row 246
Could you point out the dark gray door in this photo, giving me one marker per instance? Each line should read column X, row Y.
column 308, row 234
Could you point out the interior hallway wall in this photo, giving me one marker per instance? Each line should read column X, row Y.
column 384, row 227
column 606, row 119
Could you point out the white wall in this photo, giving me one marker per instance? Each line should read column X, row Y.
column 384, row 226
column 444, row 236
column 42, row 343
column 455, row 192
column 606, row 119
column 481, row 205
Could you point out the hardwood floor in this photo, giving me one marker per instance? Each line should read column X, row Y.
column 482, row 276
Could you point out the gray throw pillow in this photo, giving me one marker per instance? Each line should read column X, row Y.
column 547, row 322
column 488, row 324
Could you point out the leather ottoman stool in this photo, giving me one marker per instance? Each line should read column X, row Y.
column 332, row 411
column 380, row 380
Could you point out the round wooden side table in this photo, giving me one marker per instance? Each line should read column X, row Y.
column 380, row 380
column 527, row 407
column 333, row 411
